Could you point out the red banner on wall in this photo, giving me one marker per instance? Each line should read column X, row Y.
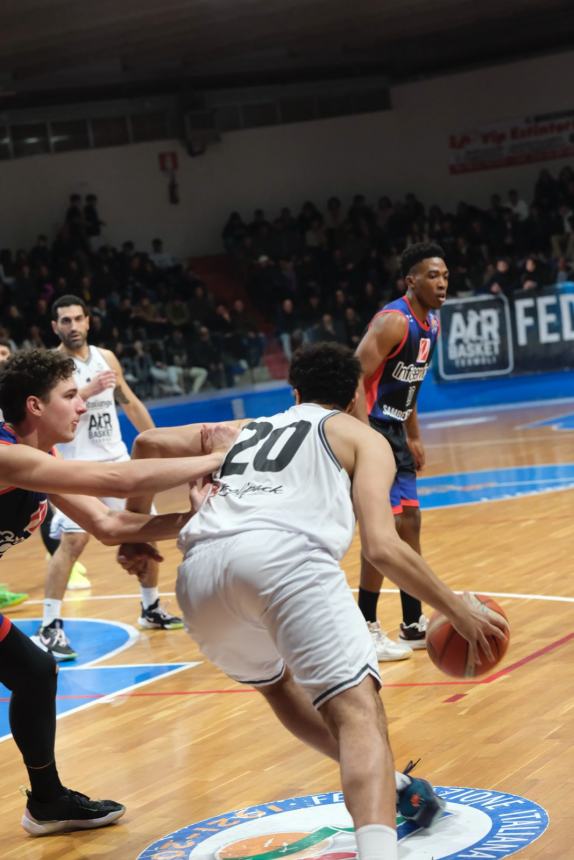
column 512, row 142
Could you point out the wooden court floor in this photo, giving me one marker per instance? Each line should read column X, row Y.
column 195, row 744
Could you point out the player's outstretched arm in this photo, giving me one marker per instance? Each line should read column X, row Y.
column 183, row 441
column 116, row 527
column 373, row 473
column 189, row 440
column 170, row 442
column 135, row 410
column 29, row 469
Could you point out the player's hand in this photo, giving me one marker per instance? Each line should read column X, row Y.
column 102, row 380
column 198, row 493
column 218, row 438
column 476, row 623
column 138, row 559
column 417, row 450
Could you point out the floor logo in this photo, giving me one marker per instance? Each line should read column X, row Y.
column 476, row 824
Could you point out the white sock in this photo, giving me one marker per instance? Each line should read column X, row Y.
column 377, row 842
column 52, row 610
column 149, row 596
column 401, row 780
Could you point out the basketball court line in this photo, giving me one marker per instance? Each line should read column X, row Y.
column 547, row 649
column 477, row 443
column 175, row 667
column 508, row 498
column 133, row 636
column 460, row 422
column 511, row 596
column 108, row 698
column 544, row 422
column 499, row 407
column 463, row 682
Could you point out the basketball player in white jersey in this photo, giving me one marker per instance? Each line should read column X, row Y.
column 98, row 438
column 264, row 596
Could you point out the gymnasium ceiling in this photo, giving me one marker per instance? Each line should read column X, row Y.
column 72, row 50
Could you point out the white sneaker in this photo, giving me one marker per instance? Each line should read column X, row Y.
column 385, row 648
column 414, row 635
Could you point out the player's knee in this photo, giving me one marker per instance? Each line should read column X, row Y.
column 73, row 544
column 37, row 674
column 358, row 706
column 277, row 689
column 409, row 521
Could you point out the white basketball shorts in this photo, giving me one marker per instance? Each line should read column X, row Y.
column 261, row 600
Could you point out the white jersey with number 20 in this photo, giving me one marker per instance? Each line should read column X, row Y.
column 280, row 474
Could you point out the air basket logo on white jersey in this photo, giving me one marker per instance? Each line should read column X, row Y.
column 100, row 426
column 476, row 823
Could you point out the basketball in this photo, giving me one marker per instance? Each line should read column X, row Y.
column 449, row 651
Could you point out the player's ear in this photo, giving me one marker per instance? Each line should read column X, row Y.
column 353, row 403
column 35, row 406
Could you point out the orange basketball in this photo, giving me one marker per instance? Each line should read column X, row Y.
column 449, row 651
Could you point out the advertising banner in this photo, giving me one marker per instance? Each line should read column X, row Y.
column 485, row 336
column 512, row 142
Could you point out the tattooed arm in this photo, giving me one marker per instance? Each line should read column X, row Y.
column 124, row 396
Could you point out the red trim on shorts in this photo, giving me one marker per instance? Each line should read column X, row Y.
column 398, row 509
column 5, row 627
column 410, row 503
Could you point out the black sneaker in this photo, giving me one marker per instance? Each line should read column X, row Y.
column 52, row 638
column 418, row 802
column 71, row 811
column 414, row 635
column 155, row 617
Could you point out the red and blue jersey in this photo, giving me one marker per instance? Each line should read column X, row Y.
column 21, row 513
column 393, row 388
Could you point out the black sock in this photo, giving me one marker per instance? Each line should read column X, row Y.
column 368, row 603
column 412, row 608
column 45, row 782
column 31, row 675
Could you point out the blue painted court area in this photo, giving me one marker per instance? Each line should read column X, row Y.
column 94, row 640
column 80, row 682
column 565, row 422
column 490, row 485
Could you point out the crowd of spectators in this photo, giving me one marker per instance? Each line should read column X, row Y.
column 167, row 329
column 322, row 275
column 312, row 276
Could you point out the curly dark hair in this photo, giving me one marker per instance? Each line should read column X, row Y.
column 325, row 373
column 66, row 302
column 30, row 373
column 414, row 254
